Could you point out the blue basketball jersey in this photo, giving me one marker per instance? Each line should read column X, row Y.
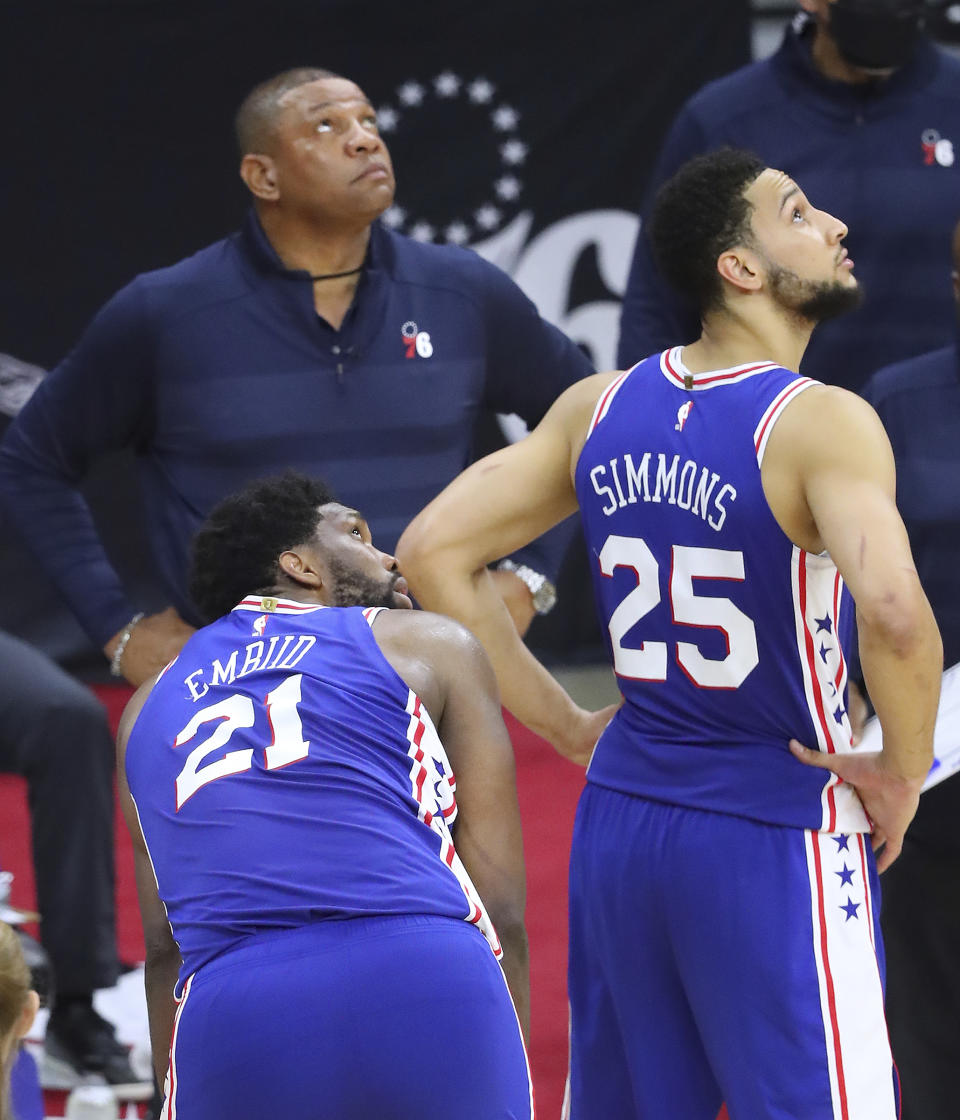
column 727, row 640
column 284, row 774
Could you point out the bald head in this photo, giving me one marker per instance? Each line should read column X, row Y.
column 258, row 113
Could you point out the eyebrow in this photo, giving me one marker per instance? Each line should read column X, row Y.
column 327, row 104
column 343, row 511
column 788, row 194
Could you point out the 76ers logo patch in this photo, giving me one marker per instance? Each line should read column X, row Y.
column 416, row 342
column 936, row 148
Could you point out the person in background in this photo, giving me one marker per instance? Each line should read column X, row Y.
column 18, row 1009
column 919, row 403
column 314, row 337
column 330, row 854
column 723, row 883
column 864, row 110
column 54, row 733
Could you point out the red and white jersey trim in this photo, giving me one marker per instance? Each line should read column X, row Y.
column 606, row 399
column 817, row 587
column 673, row 369
column 774, row 412
column 172, row 1080
column 851, row 994
column 433, row 786
column 270, row 605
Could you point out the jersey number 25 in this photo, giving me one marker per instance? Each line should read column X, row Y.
column 648, row 661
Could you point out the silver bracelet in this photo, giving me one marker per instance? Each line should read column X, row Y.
column 116, row 662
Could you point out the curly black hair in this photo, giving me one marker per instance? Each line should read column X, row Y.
column 697, row 215
column 236, row 549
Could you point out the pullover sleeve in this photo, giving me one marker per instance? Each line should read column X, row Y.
column 95, row 401
column 653, row 317
column 530, row 363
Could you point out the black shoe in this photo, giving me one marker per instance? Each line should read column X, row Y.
column 76, row 1034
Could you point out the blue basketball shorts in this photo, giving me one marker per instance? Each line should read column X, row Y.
column 717, row 959
column 362, row 1019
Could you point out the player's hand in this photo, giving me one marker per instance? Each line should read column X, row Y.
column 516, row 597
column 888, row 798
column 154, row 642
column 582, row 733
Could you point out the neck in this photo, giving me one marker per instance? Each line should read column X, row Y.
column 731, row 338
column 831, row 63
column 298, row 593
column 316, row 248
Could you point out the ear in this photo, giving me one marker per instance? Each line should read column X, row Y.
column 27, row 1014
column 259, row 172
column 297, row 565
column 741, row 268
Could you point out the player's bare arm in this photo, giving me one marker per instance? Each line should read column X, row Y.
column 163, row 957
column 496, row 506
column 446, row 666
column 829, row 475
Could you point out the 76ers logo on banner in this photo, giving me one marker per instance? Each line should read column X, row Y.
column 415, row 341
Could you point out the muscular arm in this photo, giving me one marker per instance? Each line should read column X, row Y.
column 163, row 956
column 447, row 667
column 830, row 477
column 494, row 507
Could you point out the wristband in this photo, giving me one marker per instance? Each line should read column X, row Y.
column 116, row 662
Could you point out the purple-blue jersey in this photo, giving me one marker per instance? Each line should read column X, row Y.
column 283, row 774
column 726, row 638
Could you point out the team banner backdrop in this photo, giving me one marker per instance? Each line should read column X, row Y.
column 523, row 130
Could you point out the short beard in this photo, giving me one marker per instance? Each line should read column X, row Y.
column 812, row 301
column 354, row 589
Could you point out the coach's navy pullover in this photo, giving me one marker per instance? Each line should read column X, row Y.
column 919, row 404
column 218, row 370
column 883, row 157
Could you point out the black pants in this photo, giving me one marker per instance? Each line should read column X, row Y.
column 921, row 930
column 54, row 733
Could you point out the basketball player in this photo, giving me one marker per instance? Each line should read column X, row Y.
column 724, row 898
column 289, row 785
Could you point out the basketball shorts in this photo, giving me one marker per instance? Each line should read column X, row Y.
column 717, row 959
column 389, row 1018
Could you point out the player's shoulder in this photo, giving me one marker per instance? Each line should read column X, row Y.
column 131, row 712
column 827, row 424
column 425, row 631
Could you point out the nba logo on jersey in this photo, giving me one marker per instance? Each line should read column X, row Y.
column 259, row 625
column 682, row 413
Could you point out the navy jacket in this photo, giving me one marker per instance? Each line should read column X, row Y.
column 919, row 403
column 218, row 370
column 857, row 152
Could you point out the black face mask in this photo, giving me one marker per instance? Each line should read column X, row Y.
column 876, row 34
